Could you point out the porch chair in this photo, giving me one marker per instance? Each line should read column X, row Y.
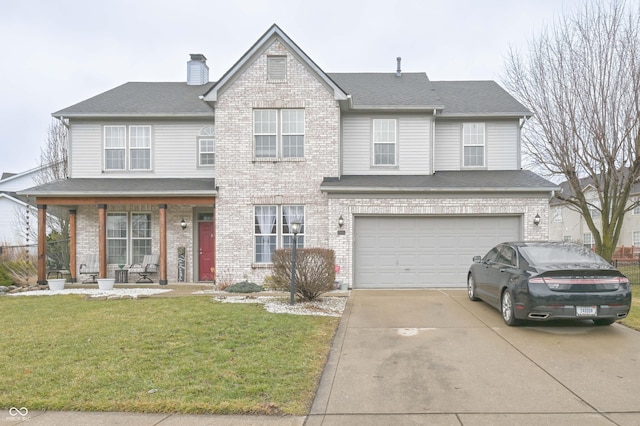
column 148, row 266
column 91, row 268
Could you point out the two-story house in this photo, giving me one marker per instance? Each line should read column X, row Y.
column 405, row 178
column 567, row 224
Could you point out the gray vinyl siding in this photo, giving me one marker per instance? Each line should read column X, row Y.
column 356, row 145
column 413, row 145
column 85, row 159
column 502, row 145
column 448, row 146
column 177, row 150
column 173, row 149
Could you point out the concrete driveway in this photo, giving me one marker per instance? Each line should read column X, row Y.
column 409, row 357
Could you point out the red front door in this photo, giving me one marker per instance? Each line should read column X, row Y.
column 207, row 250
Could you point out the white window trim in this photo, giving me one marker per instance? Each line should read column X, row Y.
column 279, row 229
column 483, row 145
column 374, row 142
column 207, row 133
column 129, row 237
column 279, row 135
column 635, row 242
column 127, row 148
column 105, row 148
column 131, row 148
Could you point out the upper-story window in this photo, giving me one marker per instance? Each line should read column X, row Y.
column 276, row 68
column 134, row 153
column 278, row 133
column 636, row 209
column 207, row 147
column 473, row 144
column 384, row 142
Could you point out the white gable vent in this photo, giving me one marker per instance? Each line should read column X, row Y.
column 197, row 70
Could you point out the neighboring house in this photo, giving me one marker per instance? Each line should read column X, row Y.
column 18, row 214
column 405, row 178
column 567, row 224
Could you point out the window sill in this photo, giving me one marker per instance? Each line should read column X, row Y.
column 278, row 160
column 261, row 265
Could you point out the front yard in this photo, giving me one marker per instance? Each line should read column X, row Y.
column 184, row 355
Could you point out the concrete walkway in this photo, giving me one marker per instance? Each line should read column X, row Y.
column 417, row 357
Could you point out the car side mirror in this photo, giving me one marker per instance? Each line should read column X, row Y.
column 477, row 259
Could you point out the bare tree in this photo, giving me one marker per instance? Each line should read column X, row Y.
column 54, row 156
column 581, row 79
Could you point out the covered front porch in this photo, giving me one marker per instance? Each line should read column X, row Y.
column 173, row 218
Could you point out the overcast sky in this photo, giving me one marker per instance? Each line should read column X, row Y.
column 57, row 53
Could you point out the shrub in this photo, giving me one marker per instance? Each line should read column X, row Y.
column 18, row 267
column 5, row 278
column 244, row 287
column 315, row 271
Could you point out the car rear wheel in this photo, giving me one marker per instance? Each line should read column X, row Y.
column 507, row 309
column 603, row 321
column 471, row 288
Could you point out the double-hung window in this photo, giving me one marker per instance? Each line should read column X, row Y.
column 133, row 151
column 636, row 209
column 207, row 147
column 128, row 237
column 115, row 147
column 278, row 133
column 473, row 144
column 587, row 240
column 273, row 230
column 384, row 142
column 139, row 147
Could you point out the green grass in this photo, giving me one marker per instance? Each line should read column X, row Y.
column 183, row 355
column 633, row 319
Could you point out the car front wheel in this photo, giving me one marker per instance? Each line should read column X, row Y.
column 507, row 309
column 471, row 288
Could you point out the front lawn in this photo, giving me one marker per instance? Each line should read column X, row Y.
column 183, row 355
column 633, row 319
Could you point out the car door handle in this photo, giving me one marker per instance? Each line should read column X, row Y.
column 502, row 270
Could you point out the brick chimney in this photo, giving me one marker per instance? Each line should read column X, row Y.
column 197, row 70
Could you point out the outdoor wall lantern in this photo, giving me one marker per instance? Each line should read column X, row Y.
column 183, row 224
column 536, row 220
column 295, row 228
column 340, row 221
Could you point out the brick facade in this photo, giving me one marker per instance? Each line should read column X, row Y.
column 244, row 182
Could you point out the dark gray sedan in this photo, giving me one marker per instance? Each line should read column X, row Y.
column 548, row 280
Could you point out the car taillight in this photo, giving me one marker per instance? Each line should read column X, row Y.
column 610, row 283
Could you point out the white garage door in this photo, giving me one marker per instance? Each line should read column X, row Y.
column 414, row 252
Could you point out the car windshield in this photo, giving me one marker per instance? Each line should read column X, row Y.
column 541, row 254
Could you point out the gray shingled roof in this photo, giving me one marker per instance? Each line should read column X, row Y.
column 477, row 98
column 450, row 181
column 367, row 91
column 144, row 99
column 124, row 187
column 379, row 90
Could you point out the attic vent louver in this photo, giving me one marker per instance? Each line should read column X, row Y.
column 197, row 70
column 399, row 71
